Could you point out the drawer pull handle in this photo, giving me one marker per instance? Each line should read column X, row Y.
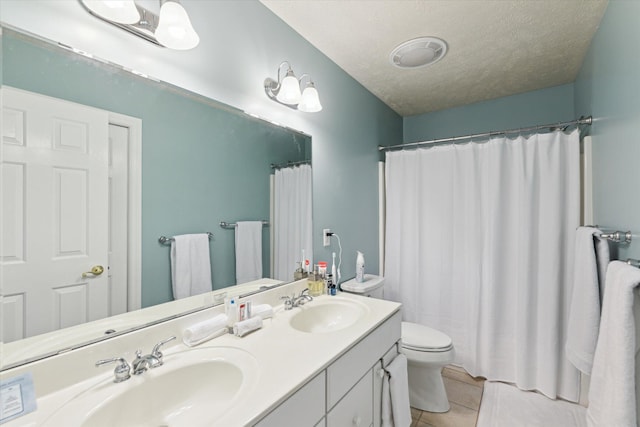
column 357, row 420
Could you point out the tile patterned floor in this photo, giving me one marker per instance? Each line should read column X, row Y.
column 464, row 393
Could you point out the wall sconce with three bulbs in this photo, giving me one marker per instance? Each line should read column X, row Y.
column 287, row 91
column 170, row 28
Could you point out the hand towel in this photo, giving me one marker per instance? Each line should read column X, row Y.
column 248, row 251
column 612, row 392
column 387, row 413
column 246, row 326
column 265, row 311
column 396, row 411
column 589, row 269
column 205, row 330
column 190, row 265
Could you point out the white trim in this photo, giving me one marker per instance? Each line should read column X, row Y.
column 272, row 209
column 134, row 261
column 381, row 216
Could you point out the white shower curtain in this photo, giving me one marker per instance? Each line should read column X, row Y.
column 292, row 219
column 479, row 245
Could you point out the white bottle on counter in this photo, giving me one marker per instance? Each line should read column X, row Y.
column 360, row 267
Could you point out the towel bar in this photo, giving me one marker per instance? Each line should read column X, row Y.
column 616, row 236
column 230, row 225
column 163, row 240
column 633, row 262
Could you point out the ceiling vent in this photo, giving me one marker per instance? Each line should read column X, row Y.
column 418, row 52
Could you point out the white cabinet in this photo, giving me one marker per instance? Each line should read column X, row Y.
column 346, row 393
column 306, row 407
column 356, row 407
column 348, row 369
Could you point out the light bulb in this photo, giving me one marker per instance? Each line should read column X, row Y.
column 289, row 92
column 310, row 102
column 174, row 27
column 121, row 11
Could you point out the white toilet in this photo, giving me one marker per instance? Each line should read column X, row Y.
column 427, row 351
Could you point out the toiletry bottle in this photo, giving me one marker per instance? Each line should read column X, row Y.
column 299, row 272
column 322, row 269
column 232, row 311
column 328, row 283
column 360, row 267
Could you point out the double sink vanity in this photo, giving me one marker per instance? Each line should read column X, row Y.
column 318, row 364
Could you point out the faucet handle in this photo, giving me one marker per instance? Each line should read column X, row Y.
column 156, row 349
column 288, row 301
column 121, row 371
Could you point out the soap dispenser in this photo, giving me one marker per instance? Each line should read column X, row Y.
column 298, row 274
column 315, row 282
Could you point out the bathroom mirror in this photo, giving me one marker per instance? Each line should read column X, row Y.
column 202, row 163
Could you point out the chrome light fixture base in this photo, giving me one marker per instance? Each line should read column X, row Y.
column 306, row 100
column 145, row 28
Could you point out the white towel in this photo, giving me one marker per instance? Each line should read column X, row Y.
column 589, row 269
column 248, row 251
column 396, row 411
column 205, row 330
column 190, row 265
column 246, row 326
column 265, row 311
column 612, row 393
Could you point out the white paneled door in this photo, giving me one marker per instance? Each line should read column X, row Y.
column 55, row 214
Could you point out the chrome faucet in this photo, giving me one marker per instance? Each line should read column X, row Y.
column 122, row 370
column 140, row 364
column 152, row 360
column 296, row 301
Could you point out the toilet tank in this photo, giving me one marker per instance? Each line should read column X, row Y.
column 371, row 287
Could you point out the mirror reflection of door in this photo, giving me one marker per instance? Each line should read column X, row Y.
column 56, row 214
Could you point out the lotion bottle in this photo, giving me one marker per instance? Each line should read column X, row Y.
column 360, row 267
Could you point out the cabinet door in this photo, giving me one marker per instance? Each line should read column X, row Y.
column 304, row 408
column 344, row 372
column 356, row 407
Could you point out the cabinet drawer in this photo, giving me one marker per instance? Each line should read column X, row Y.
column 356, row 408
column 344, row 372
column 304, row 408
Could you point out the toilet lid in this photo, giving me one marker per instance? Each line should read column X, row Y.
column 423, row 338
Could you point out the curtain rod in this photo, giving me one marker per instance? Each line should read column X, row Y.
column 289, row 164
column 554, row 126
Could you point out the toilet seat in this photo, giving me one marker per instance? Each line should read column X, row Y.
column 423, row 338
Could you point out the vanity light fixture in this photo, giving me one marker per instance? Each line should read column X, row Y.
column 121, row 11
column 170, row 28
column 286, row 91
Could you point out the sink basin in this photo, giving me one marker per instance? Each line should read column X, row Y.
column 193, row 387
column 329, row 315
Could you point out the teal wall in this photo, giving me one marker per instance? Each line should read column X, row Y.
column 200, row 164
column 543, row 106
column 250, row 42
column 608, row 87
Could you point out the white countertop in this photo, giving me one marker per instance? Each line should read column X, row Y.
column 286, row 358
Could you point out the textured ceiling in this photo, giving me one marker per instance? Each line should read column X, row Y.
column 496, row 48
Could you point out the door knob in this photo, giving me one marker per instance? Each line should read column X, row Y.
column 96, row 270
